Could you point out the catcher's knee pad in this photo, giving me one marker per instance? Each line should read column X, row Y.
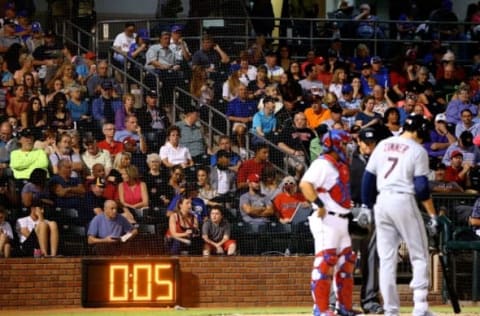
column 344, row 278
column 322, row 277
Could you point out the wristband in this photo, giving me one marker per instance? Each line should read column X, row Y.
column 318, row 202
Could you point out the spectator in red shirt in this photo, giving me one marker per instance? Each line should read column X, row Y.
column 109, row 144
column 458, row 170
column 253, row 165
column 287, row 201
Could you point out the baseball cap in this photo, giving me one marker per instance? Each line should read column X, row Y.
column 347, row 88
column 26, row 133
column 233, row 68
column 152, row 94
column 253, row 177
column 90, row 55
column 456, row 153
column 441, row 117
column 448, row 56
column 129, row 140
column 36, row 27
column 176, row 28
column 319, row 60
column 375, row 60
column 366, row 65
column 100, row 182
column 143, row 34
column 367, row 135
column 107, row 85
column 270, row 53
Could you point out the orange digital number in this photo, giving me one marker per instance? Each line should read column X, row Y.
column 159, row 281
column 148, row 283
column 114, row 269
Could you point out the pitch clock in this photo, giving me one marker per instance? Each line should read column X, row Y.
column 129, row 282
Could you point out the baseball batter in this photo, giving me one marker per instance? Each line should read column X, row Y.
column 326, row 185
column 399, row 166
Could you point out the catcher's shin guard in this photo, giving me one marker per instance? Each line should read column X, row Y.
column 344, row 278
column 322, row 273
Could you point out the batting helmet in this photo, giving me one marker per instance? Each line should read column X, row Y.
column 417, row 123
column 335, row 140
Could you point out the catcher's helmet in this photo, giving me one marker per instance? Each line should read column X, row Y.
column 335, row 140
column 417, row 123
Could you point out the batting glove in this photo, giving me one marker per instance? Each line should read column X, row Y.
column 432, row 226
column 364, row 218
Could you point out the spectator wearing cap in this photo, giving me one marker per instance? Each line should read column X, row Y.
column 138, row 52
column 25, row 159
column 172, row 153
column 192, row 136
column 222, row 174
column 467, row 124
column 316, row 114
column 94, row 155
column 274, row 71
column 109, row 143
column 9, row 37
column 94, row 200
column 457, row 105
column 464, row 144
column 153, row 118
column 440, row 138
column 254, row 207
column 324, row 71
column 179, row 46
column 311, row 86
column 295, row 140
column 380, row 72
column 458, row 170
column 123, row 41
column 106, row 105
column 138, row 158
column 210, row 55
column 349, row 104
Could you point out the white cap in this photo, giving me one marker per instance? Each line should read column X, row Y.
column 440, row 117
column 448, row 56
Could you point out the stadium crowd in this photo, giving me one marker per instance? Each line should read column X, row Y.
column 77, row 149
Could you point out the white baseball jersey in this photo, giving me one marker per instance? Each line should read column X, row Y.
column 396, row 161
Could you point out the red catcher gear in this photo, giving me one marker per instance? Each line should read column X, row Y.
column 340, row 192
column 344, row 278
column 322, row 274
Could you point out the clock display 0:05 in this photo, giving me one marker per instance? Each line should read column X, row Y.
column 129, row 282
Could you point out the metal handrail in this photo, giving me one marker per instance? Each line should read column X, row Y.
column 211, row 110
column 127, row 76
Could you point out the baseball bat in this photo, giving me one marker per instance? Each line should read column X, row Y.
column 448, row 282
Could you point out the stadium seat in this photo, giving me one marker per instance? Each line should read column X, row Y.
column 73, row 239
column 451, row 246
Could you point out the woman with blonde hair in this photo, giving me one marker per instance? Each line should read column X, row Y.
column 339, row 78
column 26, row 64
column 132, row 192
column 230, row 86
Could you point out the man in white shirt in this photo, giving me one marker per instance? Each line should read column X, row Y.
column 122, row 42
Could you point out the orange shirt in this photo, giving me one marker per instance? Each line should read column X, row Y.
column 314, row 119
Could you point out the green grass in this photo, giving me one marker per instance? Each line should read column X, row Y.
column 469, row 310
